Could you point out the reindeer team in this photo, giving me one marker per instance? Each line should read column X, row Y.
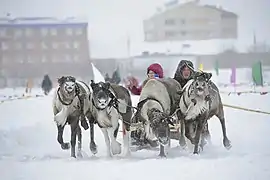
column 163, row 103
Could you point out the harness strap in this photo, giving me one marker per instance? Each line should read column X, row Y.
column 61, row 100
column 139, row 107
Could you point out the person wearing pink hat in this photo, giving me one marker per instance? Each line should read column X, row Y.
column 153, row 71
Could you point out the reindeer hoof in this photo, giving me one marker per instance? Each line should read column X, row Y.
column 79, row 154
column 65, row 146
column 182, row 142
column 116, row 148
column 93, row 147
column 162, row 155
column 73, row 155
column 227, row 144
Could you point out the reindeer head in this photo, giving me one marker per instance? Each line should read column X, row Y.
column 101, row 94
column 67, row 84
column 200, row 83
column 159, row 122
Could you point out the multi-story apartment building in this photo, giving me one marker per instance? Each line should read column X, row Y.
column 32, row 47
column 191, row 21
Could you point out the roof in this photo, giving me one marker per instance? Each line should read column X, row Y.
column 225, row 12
column 41, row 21
column 177, row 5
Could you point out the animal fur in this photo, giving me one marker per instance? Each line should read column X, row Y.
column 66, row 109
column 159, row 94
column 119, row 107
column 196, row 109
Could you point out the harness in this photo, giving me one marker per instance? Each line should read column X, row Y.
column 137, row 115
column 77, row 92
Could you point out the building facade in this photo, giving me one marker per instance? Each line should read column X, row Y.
column 191, row 21
column 33, row 47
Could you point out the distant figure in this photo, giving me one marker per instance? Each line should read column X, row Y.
column 116, row 77
column 29, row 86
column 46, row 84
column 107, row 78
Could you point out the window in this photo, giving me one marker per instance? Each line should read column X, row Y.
column 4, row 46
column 55, row 59
column 30, row 59
column 18, row 46
column 28, row 32
column 76, row 58
column 76, row 45
column 67, row 45
column 182, row 21
column 55, row 45
column 43, row 59
column 44, row 46
column 18, row 33
column 69, row 31
column 29, row 46
column 4, row 59
column 2, row 32
column 183, row 33
column 44, row 31
column 170, row 33
column 53, row 31
column 79, row 31
column 19, row 59
column 148, row 35
column 170, row 22
column 67, row 58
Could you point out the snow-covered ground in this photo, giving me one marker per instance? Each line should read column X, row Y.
column 29, row 150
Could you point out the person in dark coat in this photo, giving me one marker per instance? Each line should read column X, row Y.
column 46, row 84
column 116, row 77
column 184, row 72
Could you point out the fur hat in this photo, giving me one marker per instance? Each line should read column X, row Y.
column 156, row 68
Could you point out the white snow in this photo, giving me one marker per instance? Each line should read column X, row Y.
column 29, row 150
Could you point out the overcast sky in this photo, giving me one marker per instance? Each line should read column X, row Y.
column 111, row 20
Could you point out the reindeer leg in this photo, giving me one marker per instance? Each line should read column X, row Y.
column 74, row 129
column 188, row 126
column 182, row 140
column 115, row 146
column 84, row 123
column 79, row 134
column 60, row 140
column 92, row 145
column 162, row 151
column 226, row 141
column 107, row 141
column 198, row 135
column 126, row 133
column 207, row 134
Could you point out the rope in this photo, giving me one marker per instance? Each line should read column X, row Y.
column 246, row 109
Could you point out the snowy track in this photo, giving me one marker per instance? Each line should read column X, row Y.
column 29, row 150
